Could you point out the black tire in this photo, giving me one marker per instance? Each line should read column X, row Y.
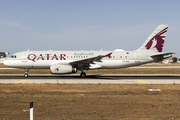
column 83, row 75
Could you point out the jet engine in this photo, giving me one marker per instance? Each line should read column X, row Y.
column 62, row 69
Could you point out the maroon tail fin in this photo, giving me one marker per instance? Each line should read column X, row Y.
column 155, row 42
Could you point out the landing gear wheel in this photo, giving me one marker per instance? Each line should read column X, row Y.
column 25, row 75
column 83, row 75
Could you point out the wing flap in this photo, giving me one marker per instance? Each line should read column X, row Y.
column 87, row 61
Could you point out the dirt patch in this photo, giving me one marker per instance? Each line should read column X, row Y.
column 89, row 101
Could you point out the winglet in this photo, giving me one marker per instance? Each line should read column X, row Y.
column 109, row 55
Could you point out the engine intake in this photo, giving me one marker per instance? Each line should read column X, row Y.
column 62, row 69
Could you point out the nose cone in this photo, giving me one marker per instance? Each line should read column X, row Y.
column 6, row 62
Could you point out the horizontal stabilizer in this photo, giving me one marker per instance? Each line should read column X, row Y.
column 162, row 56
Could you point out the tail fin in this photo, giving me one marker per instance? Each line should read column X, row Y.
column 155, row 41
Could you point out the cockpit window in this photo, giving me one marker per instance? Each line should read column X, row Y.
column 14, row 56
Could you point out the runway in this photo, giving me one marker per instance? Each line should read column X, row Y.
column 91, row 79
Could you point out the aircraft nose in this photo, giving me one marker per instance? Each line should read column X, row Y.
column 6, row 62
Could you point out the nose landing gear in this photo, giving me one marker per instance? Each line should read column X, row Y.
column 26, row 73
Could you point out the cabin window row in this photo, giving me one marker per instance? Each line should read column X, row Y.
column 74, row 56
column 120, row 56
column 14, row 56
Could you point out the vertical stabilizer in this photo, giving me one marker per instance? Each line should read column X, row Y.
column 155, row 41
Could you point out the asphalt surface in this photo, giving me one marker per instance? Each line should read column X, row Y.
column 91, row 79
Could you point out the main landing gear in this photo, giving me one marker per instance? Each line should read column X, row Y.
column 83, row 74
column 26, row 73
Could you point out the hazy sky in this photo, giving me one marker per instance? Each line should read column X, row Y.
column 86, row 24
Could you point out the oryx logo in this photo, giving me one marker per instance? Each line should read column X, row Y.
column 57, row 69
column 157, row 41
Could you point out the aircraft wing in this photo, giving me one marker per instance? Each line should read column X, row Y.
column 85, row 63
column 162, row 56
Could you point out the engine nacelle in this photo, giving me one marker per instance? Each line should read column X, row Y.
column 62, row 69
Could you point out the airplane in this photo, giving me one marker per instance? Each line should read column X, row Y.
column 68, row 62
